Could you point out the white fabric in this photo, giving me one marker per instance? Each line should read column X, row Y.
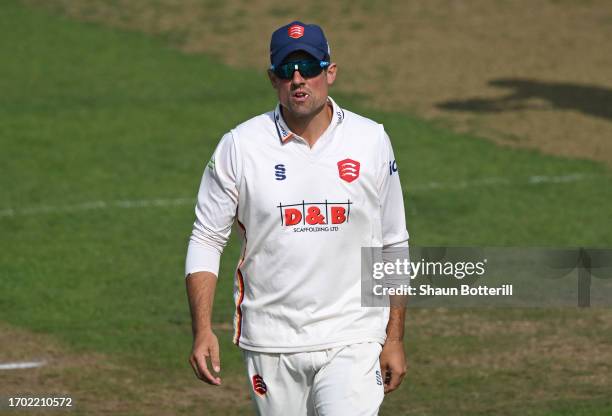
column 297, row 286
column 334, row 382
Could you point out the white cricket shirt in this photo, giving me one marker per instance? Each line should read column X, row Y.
column 304, row 214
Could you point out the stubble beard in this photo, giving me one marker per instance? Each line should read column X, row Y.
column 307, row 110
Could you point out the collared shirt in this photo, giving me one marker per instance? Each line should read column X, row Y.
column 303, row 214
column 285, row 134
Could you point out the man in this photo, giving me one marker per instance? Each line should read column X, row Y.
column 308, row 184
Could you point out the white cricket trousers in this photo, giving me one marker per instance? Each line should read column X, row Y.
column 341, row 381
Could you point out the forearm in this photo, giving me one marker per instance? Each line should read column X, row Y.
column 397, row 317
column 201, row 292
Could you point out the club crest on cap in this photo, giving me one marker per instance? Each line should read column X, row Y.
column 296, row 31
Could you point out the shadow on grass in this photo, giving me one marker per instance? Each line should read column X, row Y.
column 591, row 100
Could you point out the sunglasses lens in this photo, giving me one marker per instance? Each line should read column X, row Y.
column 308, row 69
column 284, row 71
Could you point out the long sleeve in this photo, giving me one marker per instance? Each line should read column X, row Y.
column 394, row 231
column 215, row 209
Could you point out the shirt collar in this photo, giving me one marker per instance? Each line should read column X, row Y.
column 285, row 134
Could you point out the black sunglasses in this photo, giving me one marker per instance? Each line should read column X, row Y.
column 308, row 69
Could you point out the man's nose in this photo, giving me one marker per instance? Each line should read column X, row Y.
column 297, row 78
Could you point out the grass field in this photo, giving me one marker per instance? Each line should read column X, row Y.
column 93, row 118
column 520, row 73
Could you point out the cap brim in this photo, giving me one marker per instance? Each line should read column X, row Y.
column 297, row 46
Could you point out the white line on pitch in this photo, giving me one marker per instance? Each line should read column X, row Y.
column 531, row 180
column 86, row 206
column 21, row 365
column 160, row 202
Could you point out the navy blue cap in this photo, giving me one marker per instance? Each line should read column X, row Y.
column 297, row 36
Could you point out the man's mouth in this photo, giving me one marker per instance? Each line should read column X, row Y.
column 300, row 96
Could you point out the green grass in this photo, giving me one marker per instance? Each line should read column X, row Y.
column 90, row 114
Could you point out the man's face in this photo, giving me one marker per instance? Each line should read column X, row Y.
column 303, row 97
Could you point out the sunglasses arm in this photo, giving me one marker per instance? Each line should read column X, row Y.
column 323, row 64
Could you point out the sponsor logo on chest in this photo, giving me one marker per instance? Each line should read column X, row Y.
column 314, row 216
column 318, row 215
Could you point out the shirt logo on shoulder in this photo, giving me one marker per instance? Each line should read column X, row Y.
column 279, row 172
column 211, row 163
column 392, row 167
column 348, row 169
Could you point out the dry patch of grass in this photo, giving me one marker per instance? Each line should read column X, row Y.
column 99, row 384
column 501, row 362
column 521, row 73
column 532, row 358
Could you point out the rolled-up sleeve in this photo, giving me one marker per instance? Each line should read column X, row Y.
column 215, row 209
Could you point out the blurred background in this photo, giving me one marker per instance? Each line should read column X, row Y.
column 500, row 114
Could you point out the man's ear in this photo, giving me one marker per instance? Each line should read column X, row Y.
column 331, row 72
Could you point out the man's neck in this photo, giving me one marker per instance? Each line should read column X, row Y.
column 309, row 128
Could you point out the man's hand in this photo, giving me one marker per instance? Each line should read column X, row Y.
column 201, row 292
column 393, row 364
column 205, row 349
